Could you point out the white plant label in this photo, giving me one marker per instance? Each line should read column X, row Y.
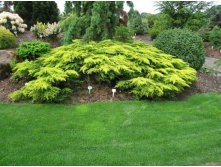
column 113, row 91
column 89, row 89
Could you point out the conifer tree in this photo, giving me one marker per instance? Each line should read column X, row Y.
column 68, row 7
column 95, row 20
column 33, row 11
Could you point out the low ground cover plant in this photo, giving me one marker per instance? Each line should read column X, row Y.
column 137, row 67
column 12, row 22
column 183, row 44
column 32, row 50
column 7, row 39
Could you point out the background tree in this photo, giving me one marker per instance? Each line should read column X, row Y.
column 45, row 11
column 68, row 7
column 196, row 21
column 215, row 37
column 24, row 9
column 33, row 11
column 94, row 20
column 161, row 22
column 135, row 21
column 182, row 11
column 214, row 15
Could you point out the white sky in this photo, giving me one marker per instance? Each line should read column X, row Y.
column 140, row 5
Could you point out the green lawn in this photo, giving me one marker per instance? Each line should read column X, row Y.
column 112, row 133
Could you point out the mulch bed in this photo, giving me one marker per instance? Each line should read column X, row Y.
column 102, row 92
column 145, row 38
column 7, row 87
column 211, row 52
column 204, row 84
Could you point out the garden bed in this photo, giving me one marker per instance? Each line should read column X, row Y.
column 211, row 52
column 100, row 92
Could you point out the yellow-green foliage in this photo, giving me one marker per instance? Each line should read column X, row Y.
column 140, row 68
column 7, row 39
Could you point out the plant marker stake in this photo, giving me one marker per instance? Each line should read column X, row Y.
column 89, row 89
column 113, row 91
column 212, row 47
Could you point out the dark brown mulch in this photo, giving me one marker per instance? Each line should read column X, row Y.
column 101, row 92
column 204, row 84
column 144, row 38
column 211, row 52
column 7, row 87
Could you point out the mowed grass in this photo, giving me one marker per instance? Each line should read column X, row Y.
column 112, row 133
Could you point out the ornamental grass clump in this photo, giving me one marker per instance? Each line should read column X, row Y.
column 141, row 69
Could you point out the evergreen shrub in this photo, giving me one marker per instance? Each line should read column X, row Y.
column 123, row 34
column 215, row 37
column 32, row 50
column 183, row 44
column 142, row 69
column 7, row 39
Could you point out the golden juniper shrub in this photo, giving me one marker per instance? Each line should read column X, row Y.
column 137, row 67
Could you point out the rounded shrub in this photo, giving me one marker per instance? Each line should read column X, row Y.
column 7, row 39
column 183, row 44
column 32, row 50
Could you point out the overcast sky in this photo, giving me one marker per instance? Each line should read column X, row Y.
column 141, row 6
column 147, row 6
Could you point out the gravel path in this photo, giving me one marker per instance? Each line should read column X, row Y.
column 210, row 63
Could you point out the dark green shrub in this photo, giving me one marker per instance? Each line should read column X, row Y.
column 123, row 34
column 204, row 33
column 162, row 22
column 137, row 67
column 215, row 37
column 37, row 11
column 183, row 44
column 135, row 22
column 195, row 22
column 7, row 39
column 32, row 50
column 93, row 21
